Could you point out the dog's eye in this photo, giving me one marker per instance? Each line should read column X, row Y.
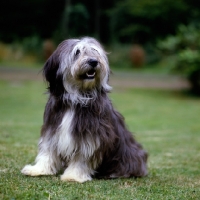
column 77, row 52
column 95, row 50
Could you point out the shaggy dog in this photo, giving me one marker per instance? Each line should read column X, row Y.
column 82, row 134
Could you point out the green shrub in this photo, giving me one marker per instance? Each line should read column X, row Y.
column 186, row 46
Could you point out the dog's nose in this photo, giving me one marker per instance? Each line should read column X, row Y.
column 92, row 62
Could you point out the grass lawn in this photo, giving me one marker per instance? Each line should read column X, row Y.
column 166, row 123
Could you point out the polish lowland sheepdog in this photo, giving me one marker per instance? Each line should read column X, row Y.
column 82, row 134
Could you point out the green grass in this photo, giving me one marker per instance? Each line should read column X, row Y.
column 166, row 123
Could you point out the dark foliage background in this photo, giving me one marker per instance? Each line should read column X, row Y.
column 110, row 21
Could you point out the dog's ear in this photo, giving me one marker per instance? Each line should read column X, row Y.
column 50, row 69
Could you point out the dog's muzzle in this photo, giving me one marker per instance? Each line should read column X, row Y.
column 92, row 68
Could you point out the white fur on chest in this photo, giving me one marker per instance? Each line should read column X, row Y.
column 67, row 147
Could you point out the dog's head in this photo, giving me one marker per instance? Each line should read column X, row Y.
column 77, row 69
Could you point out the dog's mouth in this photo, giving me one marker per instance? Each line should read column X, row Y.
column 89, row 74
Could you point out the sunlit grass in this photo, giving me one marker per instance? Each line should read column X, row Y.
column 166, row 123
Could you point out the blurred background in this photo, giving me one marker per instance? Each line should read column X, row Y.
column 154, row 53
column 145, row 36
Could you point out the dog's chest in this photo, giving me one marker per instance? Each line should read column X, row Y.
column 65, row 142
column 70, row 145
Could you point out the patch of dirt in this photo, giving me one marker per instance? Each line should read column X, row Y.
column 117, row 79
column 12, row 74
column 157, row 81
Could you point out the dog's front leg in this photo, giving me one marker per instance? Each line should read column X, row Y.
column 78, row 170
column 46, row 162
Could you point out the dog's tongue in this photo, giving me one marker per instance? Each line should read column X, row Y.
column 90, row 73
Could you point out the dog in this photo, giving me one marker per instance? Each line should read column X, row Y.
column 83, row 136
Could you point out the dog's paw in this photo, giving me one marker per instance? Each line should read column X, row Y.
column 35, row 170
column 74, row 177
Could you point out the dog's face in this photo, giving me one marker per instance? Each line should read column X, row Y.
column 80, row 66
